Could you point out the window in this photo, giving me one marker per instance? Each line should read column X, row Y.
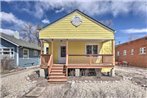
column 7, row 52
column 143, row 50
column 63, row 51
column 132, row 51
column 25, row 53
column 125, row 52
column 91, row 49
column 118, row 54
column 35, row 53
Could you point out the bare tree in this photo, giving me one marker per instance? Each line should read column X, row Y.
column 31, row 33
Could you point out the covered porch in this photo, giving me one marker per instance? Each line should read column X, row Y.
column 73, row 54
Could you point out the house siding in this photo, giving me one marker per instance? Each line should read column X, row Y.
column 79, row 47
column 7, row 44
column 137, row 59
column 63, row 29
column 31, row 61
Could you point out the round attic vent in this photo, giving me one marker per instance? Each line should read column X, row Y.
column 76, row 21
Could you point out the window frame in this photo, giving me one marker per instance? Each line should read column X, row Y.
column 27, row 53
column 92, row 48
column 11, row 52
column 124, row 52
column 142, row 50
column 132, row 51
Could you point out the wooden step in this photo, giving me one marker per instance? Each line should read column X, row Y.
column 57, row 74
column 56, row 71
column 57, row 80
column 57, row 77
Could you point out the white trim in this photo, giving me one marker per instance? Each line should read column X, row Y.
column 98, row 44
column 27, row 54
column 17, row 56
column 132, row 51
column 9, row 41
column 142, row 50
column 11, row 56
column 124, row 52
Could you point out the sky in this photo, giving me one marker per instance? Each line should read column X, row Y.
column 127, row 17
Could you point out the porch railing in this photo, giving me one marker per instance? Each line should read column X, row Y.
column 90, row 59
column 50, row 63
column 44, row 60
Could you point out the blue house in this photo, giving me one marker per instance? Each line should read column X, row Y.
column 24, row 53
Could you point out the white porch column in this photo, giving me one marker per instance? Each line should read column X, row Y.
column 17, row 56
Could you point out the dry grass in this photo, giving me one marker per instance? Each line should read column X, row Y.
column 105, row 89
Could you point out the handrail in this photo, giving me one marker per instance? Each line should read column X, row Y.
column 66, row 59
column 90, row 55
column 50, row 63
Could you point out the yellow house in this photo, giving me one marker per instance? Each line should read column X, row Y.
column 74, row 43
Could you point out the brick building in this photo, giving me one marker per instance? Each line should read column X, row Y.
column 133, row 52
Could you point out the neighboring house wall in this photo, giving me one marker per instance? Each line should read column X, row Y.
column 31, row 60
column 79, row 47
column 6, row 44
column 135, row 58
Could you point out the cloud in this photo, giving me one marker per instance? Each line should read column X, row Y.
column 95, row 7
column 10, row 18
column 134, row 30
column 60, row 10
column 7, row 31
column 45, row 21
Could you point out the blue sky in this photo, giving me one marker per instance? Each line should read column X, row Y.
column 127, row 17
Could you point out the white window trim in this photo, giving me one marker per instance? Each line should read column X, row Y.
column 124, row 53
column 91, row 44
column 27, row 55
column 132, row 52
column 141, row 50
column 11, row 55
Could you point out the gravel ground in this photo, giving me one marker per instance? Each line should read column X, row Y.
column 14, row 85
column 128, row 83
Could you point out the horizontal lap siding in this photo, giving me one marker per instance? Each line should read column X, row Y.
column 87, row 30
column 78, row 47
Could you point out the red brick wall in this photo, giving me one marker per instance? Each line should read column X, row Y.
column 139, row 60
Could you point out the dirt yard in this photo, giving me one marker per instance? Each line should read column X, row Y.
column 128, row 83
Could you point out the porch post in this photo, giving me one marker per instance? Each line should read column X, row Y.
column 66, row 52
column 66, row 57
column 52, row 50
column 41, row 46
column 113, row 51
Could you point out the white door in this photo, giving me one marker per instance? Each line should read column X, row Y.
column 62, row 54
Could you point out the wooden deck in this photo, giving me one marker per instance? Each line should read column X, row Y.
column 89, row 66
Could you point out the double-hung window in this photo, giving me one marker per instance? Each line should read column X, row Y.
column 125, row 52
column 91, row 49
column 132, row 51
column 25, row 53
column 143, row 50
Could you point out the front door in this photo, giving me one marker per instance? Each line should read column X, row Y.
column 62, row 54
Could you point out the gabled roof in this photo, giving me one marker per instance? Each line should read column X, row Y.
column 19, row 42
column 92, row 19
